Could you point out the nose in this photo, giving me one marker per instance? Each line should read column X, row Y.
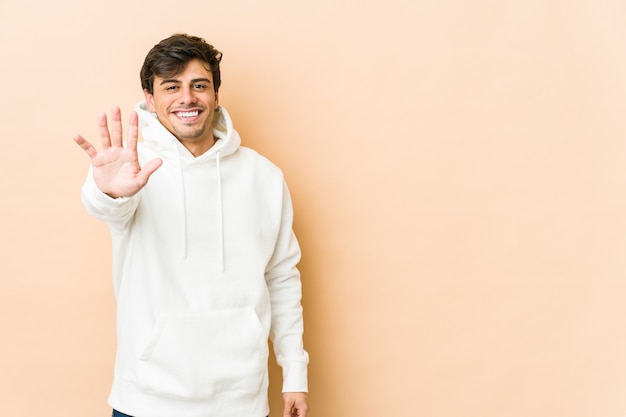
column 187, row 95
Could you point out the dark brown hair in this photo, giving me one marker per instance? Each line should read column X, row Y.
column 170, row 57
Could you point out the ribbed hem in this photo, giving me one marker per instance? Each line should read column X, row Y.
column 128, row 398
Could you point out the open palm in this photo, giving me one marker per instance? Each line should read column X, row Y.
column 116, row 168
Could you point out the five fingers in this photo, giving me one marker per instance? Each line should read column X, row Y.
column 113, row 136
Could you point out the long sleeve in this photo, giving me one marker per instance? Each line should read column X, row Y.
column 283, row 280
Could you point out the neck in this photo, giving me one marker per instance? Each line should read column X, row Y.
column 198, row 148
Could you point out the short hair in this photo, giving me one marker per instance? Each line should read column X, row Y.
column 170, row 57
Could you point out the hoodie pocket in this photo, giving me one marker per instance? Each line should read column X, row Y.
column 200, row 355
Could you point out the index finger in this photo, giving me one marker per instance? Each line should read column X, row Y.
column 133, row 131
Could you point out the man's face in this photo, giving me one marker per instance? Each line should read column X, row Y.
column 185, row 104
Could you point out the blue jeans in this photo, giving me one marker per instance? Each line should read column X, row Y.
column 118, row 414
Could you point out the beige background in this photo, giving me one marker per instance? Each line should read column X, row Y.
column 457, row 169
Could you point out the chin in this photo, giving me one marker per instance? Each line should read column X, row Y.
column 190, row 135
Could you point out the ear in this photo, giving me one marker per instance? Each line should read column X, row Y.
column 217, row 98
column 149, row 100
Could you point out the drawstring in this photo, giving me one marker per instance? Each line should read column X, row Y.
column 182, row 184
column 220, row 214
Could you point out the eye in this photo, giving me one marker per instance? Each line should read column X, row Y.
column 199, row 86
column 171, row 88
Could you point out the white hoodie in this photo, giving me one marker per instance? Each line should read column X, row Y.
column 204, row 270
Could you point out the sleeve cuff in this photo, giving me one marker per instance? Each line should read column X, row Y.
column 295, row 376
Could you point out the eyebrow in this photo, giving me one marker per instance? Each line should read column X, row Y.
column 195, row 80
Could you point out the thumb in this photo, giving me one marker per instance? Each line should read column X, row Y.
column 149, row 168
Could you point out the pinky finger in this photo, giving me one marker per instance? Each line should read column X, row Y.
column 83, row 143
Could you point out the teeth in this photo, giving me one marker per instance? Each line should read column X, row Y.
column 188, row 113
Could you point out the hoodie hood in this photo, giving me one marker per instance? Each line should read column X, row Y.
column 157, row 137
column 161, row 140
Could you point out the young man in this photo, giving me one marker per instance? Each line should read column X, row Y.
column 204, row 256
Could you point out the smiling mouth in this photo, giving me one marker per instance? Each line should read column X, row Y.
column 187, row 114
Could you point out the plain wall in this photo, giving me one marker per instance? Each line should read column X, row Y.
column 457, row 170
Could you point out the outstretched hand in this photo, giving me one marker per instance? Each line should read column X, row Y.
column 116, row 168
